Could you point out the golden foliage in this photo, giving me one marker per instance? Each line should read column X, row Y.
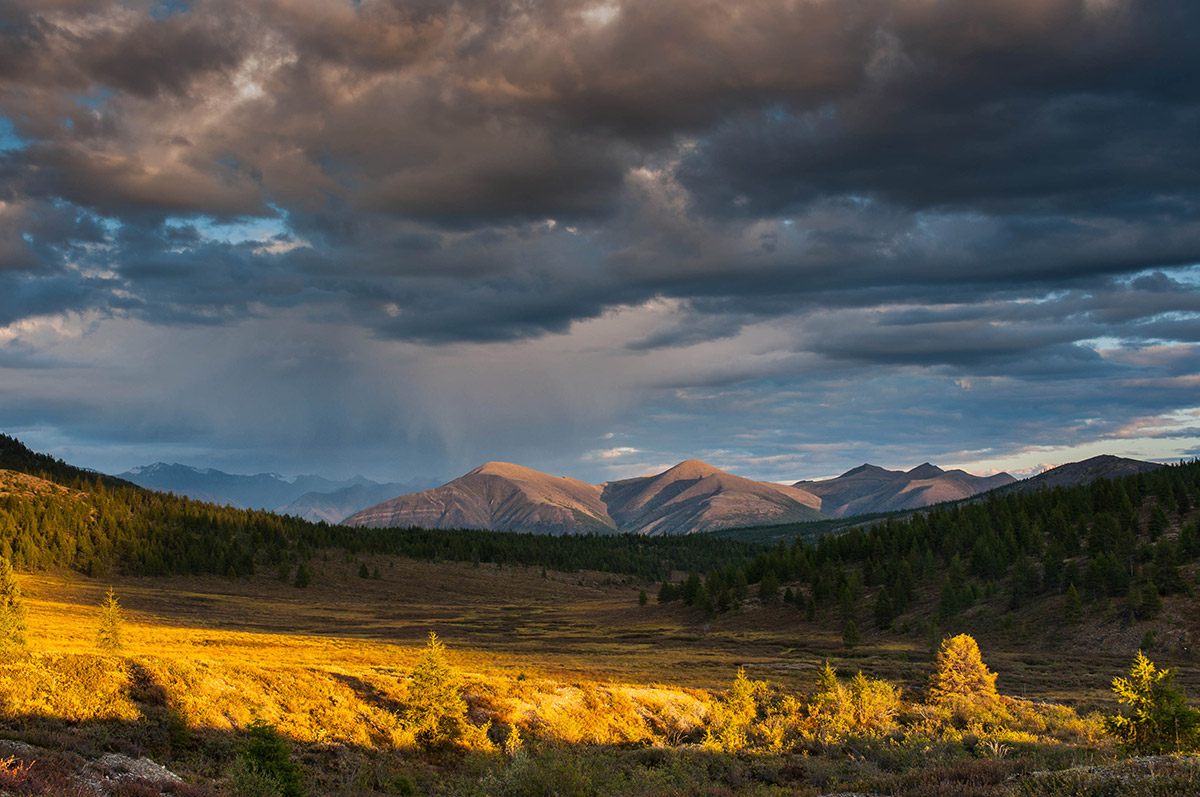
column 961, row 675
column 435, row 713
column 13, row 612
column 862, row 707
column 1159, row 720
column 75, row 688
column 112, row 621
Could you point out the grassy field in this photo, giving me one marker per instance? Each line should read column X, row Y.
column 578, row 626
column 569, row 659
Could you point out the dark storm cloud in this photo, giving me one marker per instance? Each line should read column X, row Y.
column 808, row 193
column 918, row 145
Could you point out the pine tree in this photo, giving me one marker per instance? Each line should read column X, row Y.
column 112, row 621
column 642, row 599
column 436, row 713
column 303, row 576
column 850, row 636
column 1151, row 603
column 363, row 572
column 666, row 593
column 1073, row 610
column 768, row 588
column 884, row 612
column 13, row 612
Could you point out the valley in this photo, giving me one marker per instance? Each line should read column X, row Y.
column 598, row 664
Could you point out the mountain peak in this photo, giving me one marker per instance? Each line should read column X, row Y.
column 864, row 468
column 691, row 469
column 925, row 470
column 507, row 470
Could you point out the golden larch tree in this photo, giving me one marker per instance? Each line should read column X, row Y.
column 961, row 674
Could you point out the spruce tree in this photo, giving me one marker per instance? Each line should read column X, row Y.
column 884, row 612
column 1073, row 610
column 850, row 636
column 435, row 710
column 109, row 636
column 1151, row 603
column 303, row 576
column 1160, row 720
column 13, row 612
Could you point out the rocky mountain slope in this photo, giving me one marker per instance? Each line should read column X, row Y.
column 695, row 497
column 690, row 497
column 500, row 496
column 869, row 488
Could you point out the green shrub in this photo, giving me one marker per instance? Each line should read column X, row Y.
column 1159, row 719
column 266, row 756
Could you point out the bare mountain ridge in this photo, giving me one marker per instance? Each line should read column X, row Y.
column 499, row 496
column 1105, row 466
column 868, row 489
column 696, row 497
column 690, row 497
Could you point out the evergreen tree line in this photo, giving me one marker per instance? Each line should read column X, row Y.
column 106, row 524
column 1092, row 542
column 1102, row 541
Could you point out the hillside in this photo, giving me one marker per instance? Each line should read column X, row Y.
column 497, row 496
column 869, row 489
column 1086, row 471
column 695, row 497
column 688, row 498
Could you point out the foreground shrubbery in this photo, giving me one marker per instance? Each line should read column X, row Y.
column 433, row 729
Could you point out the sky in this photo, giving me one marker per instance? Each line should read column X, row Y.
column 597, row 238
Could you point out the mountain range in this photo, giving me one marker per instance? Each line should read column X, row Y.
column 313, row 498
column 869, row 488
column 691, row 497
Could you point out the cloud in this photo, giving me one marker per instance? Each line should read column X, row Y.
column 733, row 216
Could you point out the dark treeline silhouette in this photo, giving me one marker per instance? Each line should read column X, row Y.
column 1108, row 539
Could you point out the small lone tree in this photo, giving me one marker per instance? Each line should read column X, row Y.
column 961, row 674
column 108, row 637
column 303, row 576
column 850, row 636
column 1073, row 609
column 267, row 752
column 1160, row 720
column 13, row 612
column 436, row 713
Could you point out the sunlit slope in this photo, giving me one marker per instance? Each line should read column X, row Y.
column 499, row 496
column 695, row 497
column 689, row 498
